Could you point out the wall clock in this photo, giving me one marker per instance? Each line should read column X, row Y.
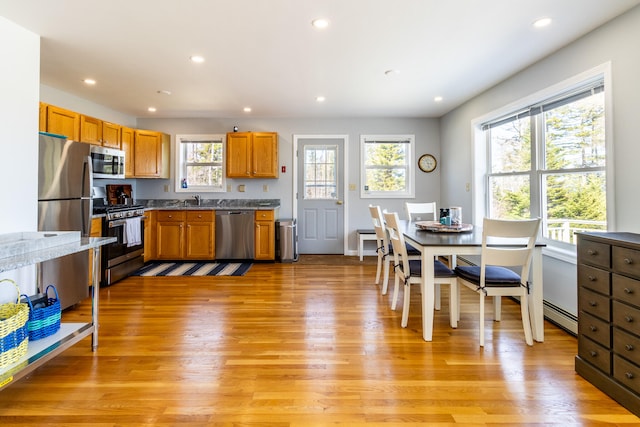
column 427, row 163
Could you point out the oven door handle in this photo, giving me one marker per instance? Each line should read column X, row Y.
column 118, row 222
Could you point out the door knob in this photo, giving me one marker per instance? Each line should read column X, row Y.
column 339, row 202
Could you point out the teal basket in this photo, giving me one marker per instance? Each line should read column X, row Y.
column 44, row 316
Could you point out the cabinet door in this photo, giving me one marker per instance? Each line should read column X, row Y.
column 63, row 122
column 90, row 130
column 239, row 155
column 265, row 155
column 150, row 236
column 147, row 154
column 265, row 235
column 200, row 239
column 42, row 124
column 170, row 236
column 111, row 135
column 126, row 141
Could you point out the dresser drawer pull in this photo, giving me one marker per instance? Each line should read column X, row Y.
column 593, row 303
column 592, row 252
column 593, row 353
column 593, row 328
column 628, row 318
column 628, row 261
column 629, row 375
column 629, row 347
column 592, row 278
column 628, row 291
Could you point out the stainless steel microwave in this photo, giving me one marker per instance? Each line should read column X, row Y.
column 107, row 162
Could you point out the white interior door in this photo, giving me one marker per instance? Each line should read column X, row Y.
column 320, row 194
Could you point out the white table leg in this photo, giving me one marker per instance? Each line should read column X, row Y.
column 428, row 294
column 536, row 303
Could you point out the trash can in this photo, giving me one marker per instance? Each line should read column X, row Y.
column 286, row 240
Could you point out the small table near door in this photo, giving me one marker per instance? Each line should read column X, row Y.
column 431, row 244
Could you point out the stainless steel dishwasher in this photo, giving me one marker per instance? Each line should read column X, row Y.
column 235, row 235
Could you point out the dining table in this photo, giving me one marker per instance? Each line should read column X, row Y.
column 469, row 242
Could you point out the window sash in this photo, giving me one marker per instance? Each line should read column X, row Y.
column 392, row 176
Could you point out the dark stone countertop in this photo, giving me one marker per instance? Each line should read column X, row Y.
column 210, row 204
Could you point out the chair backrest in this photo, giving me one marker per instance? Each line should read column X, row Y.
column 509, row 243
column 378, row 223
column 397, row 241
column 421, row 211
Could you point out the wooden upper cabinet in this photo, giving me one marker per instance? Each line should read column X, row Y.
column 42, row 125
column 126, row 140
column 90, row 130
column 252, row 155
column 147, row 154
column 63, row 122
column 111, row 136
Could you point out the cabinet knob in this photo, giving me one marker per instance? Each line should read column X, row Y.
column 593, row 353
column 593, row 328
column 628, row 261
column 170, row 216
column 592, row 252
column 628, row 291
column 629, row 375
column 629, row 347
column 591, row 278
column 628, row 318
column 593, row 303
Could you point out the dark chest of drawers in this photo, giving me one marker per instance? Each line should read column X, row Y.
column 609, row 315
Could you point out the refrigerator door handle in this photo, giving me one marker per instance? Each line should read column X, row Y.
column 87, row 177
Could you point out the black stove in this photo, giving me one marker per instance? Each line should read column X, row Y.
column 113, row 212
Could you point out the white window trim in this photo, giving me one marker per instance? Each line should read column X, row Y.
column 179, row 160
column 479, row 147
column 410, row 192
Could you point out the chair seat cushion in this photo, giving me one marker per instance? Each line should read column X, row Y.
column 494, row 276
column 440, row 269
column 411, row 251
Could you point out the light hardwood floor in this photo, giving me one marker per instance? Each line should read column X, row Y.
column 306, row 344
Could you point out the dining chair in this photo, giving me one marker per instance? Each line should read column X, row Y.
column 409, row 272
column 384, row 249
column 506, row 244
column 421, row 211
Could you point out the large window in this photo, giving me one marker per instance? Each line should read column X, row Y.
column 548, row 160
column 200, row 163
column 387, row 166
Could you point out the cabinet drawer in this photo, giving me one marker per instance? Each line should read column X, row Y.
column 594, row 278
column 627, row 373
column 595, row 354
column 200, row 216
column 594, row 253
column 594, row 328
column 594, row 303
column 626, row 261
column 626, row 317
column 264, row 216
column 626, row 345
column 170, row 216
column 625, row 289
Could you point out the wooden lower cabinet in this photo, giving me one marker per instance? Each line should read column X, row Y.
column 200, row 237
column 149, row 236
column 170, row 234
column 96, row 231
column 265, row 235
column 185, row 235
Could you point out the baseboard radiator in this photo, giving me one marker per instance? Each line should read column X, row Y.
column 554, row 314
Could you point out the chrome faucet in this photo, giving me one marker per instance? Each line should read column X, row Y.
column 198, row 199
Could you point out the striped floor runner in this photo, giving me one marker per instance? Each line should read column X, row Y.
column 193, row 269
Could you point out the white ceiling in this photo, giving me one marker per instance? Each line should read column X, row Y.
column 266, row 55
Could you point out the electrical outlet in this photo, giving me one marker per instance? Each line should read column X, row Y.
column 241, row 188
column 166, row 188
column 228, row 188
column 468, row 187
column 265, row 188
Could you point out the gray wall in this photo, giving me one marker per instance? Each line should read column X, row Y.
column 427, row 141
column 615, row 42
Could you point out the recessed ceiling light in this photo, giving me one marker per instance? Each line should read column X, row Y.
column 90, row 82
column 197, row 59
column 164, row 92
column 320, row 98
column 391, row 72
column 438, row 99
column 320, row 23
column 542, row 22
column 247, row 109
column 151, row 109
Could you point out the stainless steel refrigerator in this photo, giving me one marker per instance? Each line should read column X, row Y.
column 65, row 204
